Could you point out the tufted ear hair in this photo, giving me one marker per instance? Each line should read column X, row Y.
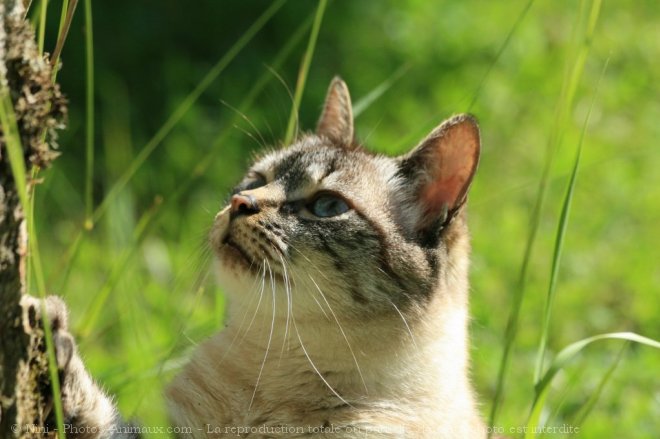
column 336, row 122
column 440, row 170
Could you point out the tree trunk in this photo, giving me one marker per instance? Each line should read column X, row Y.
column 39, row 109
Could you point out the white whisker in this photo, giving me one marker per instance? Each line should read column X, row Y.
column 412, row 337
column 295, row 326
column 247, row 309
column 247, row 119
column 270, row 337
column 341, row 329
column 287, row 289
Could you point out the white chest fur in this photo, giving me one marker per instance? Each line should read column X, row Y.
column 276, row 376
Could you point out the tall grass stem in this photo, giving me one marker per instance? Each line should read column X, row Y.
column 89, row 100
column 564, row 107
column 304, row 70
column 42, row 25
column 70, row 8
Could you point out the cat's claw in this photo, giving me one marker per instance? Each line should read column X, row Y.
column 83, row 402
column 58, row 320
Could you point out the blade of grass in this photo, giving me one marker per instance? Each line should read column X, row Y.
column 65, row 25
column 303, row 71
column 559, row 239
column 34, row 13
column 564, row 107
column 42, row 25
column 14, row 148
column 562, row 359
column 65, row 8
column 89, row 102
column 185, row 105
column 27, row 9
column 375, row 94
column 66, row 16
column 586, row 409
column 498, row 55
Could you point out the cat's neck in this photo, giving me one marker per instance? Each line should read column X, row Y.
column 344, row 344
column 413, row 367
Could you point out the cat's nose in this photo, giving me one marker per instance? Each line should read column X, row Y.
column 243, row 204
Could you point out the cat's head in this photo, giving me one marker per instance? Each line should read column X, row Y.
column 324, row 221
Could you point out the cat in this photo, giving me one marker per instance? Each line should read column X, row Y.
column 347, row 281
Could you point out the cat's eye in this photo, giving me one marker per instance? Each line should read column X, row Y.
column 328, row 205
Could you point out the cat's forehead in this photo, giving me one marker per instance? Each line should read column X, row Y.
column 312, row 159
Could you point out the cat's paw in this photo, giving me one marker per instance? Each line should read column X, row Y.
column 57, row 316
column 84, row 404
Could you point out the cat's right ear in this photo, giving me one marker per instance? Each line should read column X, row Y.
column 441, row 169
column 336, row 122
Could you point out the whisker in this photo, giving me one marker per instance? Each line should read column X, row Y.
column 288, row 90
column 261, row 295
column 270, row 338
column 287, row 288
column 321, row 307
column 247, row 309
column 295, row 326
column 244, row 117
column 249, row 134
column 412, row 337
column 309, row 261
column 341, row 329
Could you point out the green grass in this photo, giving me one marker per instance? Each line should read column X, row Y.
column 89, row 114
column 292, row 126
column 138, row 283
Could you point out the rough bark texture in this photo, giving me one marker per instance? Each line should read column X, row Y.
column 39, row 109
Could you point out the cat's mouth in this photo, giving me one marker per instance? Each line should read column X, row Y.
column 238, row 251
column 239, row 254
column 246, row 247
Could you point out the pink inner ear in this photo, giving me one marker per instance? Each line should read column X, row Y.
column 455, row 157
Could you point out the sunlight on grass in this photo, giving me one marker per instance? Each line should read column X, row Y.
column 542, row 388
column 559, row 240
column 564, row 108
column 302, row 73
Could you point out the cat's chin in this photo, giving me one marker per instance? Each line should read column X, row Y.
column 236, row 261
column 234, row 257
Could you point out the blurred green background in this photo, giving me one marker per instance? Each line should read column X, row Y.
column 139, row 286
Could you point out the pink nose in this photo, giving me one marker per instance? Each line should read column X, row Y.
column 243, row 205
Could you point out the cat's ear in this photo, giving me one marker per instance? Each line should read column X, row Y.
column 441, row 168
column 336, row 122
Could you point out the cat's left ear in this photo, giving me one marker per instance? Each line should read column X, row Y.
column 441, row 169
column 336, row 122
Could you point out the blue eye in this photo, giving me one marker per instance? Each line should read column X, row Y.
column 327, row 205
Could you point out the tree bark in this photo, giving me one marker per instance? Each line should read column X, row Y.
column 39, row 109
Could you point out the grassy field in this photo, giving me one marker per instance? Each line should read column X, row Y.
column 183, row 95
